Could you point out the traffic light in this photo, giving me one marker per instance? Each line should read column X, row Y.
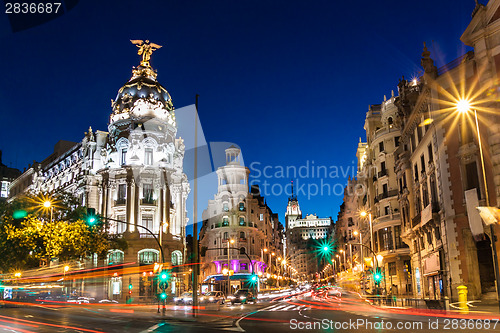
column 377, row 276
column 254, row 278
column 163, row 278
column 163, row 296
column 19, row 214
column 130, row 286
column 91, row 217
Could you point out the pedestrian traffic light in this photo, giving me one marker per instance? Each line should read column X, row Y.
column 163, row 278
column 163, row 296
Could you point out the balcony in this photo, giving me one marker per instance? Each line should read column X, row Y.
column 120, row 202
column 387, row 194
column 147, row 201
column 416, row 220
column 382, row 173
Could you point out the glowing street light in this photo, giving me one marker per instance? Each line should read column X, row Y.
column 464, row 106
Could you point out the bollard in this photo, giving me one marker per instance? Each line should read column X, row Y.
column 462, row 299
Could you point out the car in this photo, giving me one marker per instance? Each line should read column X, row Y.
column 243, row 296
column 334, row 292
column 108, row 301
column 213, row 297
column 183, row 299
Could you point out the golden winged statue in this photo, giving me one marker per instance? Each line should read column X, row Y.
column 145, row 49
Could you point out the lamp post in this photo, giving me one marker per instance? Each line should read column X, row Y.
column 229, row 241
column 463, row 106
column 65, row 269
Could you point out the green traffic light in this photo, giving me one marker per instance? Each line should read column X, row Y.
column 19, row 214
column 164, row 276
column 326, row 249
column 163, row 295
column 254, row 278
column 91, row 220
column 130, row 286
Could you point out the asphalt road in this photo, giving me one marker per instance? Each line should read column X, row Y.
column 312, row 313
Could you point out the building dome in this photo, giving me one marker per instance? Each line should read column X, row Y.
column 142, row 96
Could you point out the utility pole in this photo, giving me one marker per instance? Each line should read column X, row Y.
column 195, row 212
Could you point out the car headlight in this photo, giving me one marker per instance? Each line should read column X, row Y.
column 242, row 297
column 211, row 299
column 231, row 297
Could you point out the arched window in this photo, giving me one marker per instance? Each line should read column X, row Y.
column 225, row 221
column 242, row 221
column 176, row 258
column 241, row 206
column 148, row 256
column 226, row 235
column 115, row 257
column 242, row 235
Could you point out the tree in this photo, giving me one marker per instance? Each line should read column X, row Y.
column 25, row 241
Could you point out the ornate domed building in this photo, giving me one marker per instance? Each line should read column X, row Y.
column 131, row 173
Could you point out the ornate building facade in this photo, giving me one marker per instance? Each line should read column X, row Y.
column 133, row 172
column 240, row 233
column 302, row 238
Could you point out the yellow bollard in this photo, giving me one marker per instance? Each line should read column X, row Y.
column 462, row 299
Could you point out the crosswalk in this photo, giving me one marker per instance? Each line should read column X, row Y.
column 285, row 307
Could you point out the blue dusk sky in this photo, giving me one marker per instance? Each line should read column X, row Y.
column 287, row 81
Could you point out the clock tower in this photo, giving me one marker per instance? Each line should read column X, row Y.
column 292, row 210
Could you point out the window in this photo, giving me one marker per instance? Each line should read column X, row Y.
column 148, row 193
column 148, row 156
column 386, row 210
column 242, row 235
column 429, row 150
column 471, row 178
column 397, row 237
column 115, row 257
column 225, row 221
column 243, row 266
column 425, row 194
column 123, row 156
column 147, row 221
column 385, row 192
column 148, row 257
column 422, row 162
column 176, row 258
column 122, row 193
column 396, row 141
column 226, row 235
column 242, row 206
column 415, row 168
column 381, row 146
column 242, row 221
column 120, row 227
column 225, row 207
column 419, row 133
column 385, row 239
column 392, row 268
column 261, row 217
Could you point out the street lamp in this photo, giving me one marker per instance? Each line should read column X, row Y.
column 65, row 269
column 48, row 204
column 463, row 107
column 230, row 241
